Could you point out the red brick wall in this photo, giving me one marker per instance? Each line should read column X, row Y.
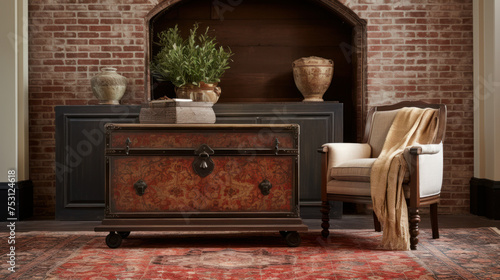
column 417, row 49
column 422, row 50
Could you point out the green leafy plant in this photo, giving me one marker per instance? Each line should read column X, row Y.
column 191, row 61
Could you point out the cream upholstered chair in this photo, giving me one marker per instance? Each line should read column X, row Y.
column 346, row 169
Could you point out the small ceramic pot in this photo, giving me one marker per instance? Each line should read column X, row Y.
column 312, row 76
column 108, row 86
column 203, row 93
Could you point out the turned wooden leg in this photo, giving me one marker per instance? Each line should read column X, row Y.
column 325, row 218
column 414, row 220
column 376, row 223
column 434, row 221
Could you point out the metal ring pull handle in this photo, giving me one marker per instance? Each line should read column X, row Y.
column 140, row 187
column 265, row 187
column 203, row 165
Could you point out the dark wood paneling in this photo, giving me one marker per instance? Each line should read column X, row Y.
column 258, row 59
column 85, row 141
column 80, row 157
column 271, row 32
column 266, row 9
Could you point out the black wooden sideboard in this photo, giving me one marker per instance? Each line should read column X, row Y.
column 80, row 166
column 80, row 142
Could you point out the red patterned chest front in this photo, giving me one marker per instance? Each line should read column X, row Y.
column 163, row 170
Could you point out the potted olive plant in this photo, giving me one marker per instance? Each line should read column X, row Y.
column 194, row 65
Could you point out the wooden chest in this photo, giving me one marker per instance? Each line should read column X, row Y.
column 201, row 177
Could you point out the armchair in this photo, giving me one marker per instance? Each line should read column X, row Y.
column 346, row 168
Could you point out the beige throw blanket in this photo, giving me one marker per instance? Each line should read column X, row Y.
column 411, row 126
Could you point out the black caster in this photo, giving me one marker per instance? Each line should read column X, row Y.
column 113, row 240
column 124, row 234
column 292, row 238
column 283, row 233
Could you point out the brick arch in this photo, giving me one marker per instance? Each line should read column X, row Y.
column 355, row 49
column 359, row 56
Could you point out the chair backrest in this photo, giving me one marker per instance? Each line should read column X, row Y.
column 380, row 118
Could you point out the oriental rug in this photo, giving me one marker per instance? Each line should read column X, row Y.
column 346, row 254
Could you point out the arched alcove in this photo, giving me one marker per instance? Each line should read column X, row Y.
column 266, row 36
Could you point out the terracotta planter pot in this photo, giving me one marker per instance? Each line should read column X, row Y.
column 312, row 76
column 204, row 93
column 108, row 86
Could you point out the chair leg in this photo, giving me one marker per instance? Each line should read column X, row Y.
column 434, row 221
column 376, row 223
column 325, row 218
column 414, row 220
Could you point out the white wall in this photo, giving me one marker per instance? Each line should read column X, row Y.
column 487, row 89
column 14, row 91
column 22, row 91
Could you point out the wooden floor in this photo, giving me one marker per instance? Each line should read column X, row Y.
column 347, row 222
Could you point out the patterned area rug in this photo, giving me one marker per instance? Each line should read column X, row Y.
column 347, row 254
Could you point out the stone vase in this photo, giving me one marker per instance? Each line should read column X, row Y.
column 108, row 86
column 312, row 76
column 204, row 93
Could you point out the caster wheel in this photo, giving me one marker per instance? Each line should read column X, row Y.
column 283, row 233
column 292, row 239
column 124, row 234
column 113, row 240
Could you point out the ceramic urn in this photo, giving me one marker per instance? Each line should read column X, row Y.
column 312, row 76
column 108, row 86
